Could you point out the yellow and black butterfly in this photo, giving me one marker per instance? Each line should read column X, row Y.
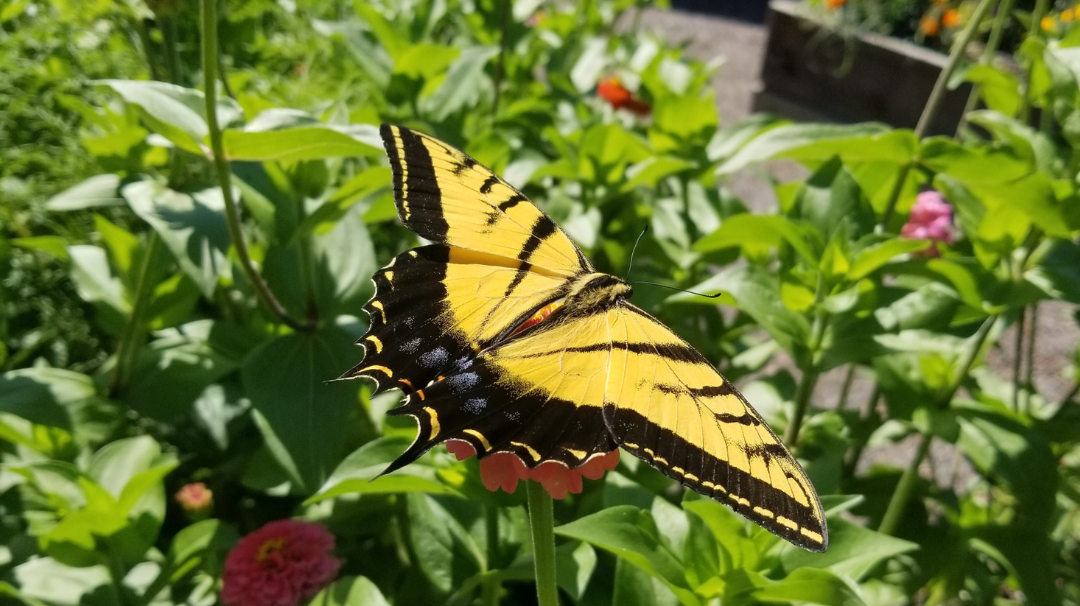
column 502, row 334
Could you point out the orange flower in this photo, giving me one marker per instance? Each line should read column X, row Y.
column 951, row 18
column 834, row 4
column 612, row 91
column 1047, row 24
column 196, row 500
column 1068, row 15
column 503, row 470
column 929, row 25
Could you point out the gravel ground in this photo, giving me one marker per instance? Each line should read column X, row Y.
column 739, row 48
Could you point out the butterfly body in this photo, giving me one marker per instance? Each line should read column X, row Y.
column 502, row 334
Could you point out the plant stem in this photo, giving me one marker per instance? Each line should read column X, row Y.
column 845, row 390
column 172, row 52
column 489, row 584
column 542, row 525
column 894, row 196
column 1029, row 369
column 130, row 340
column 904, row 488
column 232, row 215
column 802, row 403
column 1037, row 15
column 1001, row 17
column 1017, row 361
column 937, row 95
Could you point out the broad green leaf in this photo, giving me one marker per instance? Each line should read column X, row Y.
column 295, row 144
column 574, row 566
column 855, row 143
column 755, row 233
column 286, row 382
column 853, row 550
column 177, row 113
column 970, row 164
column 1000, row 90
column 94, row 280
column 192, row 226
column 631, row 535
column 350, row 591
column 53, row 245
column 634, row 587
column 363, row 185
column 464, row 83
column 360, row 473
column 831, row 196
column 345, row 261
column 121, row 244
column 651, row 170
column 735, row 549
column 808, row 586
column 118, row 462
column 99, row 190
column 202, row 543
column 445, row 552
column 876, row 256
column 59, row 585
column 45, row 396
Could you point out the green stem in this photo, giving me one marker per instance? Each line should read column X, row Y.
column 127, row 351
column 1032, row 332
column 802, row 403
column 997, row 30
column 1041, row 6
column 904, row 488
column 232, row 215
column 845, row 390
column 1019, row 357
column 148, row 48
column 894, row 196
column 489, row 584
column 542, row 524
column 116, row 571
column 172, row 52
column 937, row 95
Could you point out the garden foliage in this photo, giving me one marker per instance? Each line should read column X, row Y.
column 138, row 358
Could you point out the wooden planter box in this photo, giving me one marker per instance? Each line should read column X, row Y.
column 811, row 73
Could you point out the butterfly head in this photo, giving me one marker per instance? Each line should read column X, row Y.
column 598, row 289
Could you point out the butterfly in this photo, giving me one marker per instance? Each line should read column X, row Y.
column 501, row 333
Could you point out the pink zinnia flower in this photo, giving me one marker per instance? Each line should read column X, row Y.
column 284, row 563
column 195, row 499
column 503, row 470
column 931, row 218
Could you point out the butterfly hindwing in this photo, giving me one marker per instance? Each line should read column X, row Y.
column 446, row 196
column 668, row 405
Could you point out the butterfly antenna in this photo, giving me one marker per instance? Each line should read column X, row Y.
column 679, row 289
column 634, row 250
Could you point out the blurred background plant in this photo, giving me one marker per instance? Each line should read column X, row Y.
column 152, row 346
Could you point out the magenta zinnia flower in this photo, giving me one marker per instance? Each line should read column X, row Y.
column 931, row 218
column 284, row 563
column 503, row 470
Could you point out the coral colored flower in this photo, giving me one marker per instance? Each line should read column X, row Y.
column 536, row 19
column 612, row 91
column 834, row 4
column 929, row 25
column 503, row 470
column 196, row 500
column 951, row 18
column 284, row 563
column 931, row 218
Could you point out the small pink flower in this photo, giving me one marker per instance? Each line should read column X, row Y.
column 284, row 563
column 931, row 218
column 196, row 500
column 503, row 470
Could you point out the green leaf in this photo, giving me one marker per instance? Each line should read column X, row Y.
column 757, row 233
column 286, row 382
column 876, row 256
column 1000, row 90
column 807, row 586
column 634, row 587
column 118, row 462
column 359, row 473
column 177, row 113
column 574, row 566
column 831, row 196
column 121, row 244
column 972, row 164
column 59, row 585
column 853, row 551
column 854, row 143
column 465, row 82
column 345, row 260
column 99, row 190
column 192, row 226
column 631, row 535
column 302, row 143
column 45, row 396
column 350, row 591
column 445, row 552
column 651, row 170
column 369, row 182
column 95, row 282
column 202, row 543
column 53, row 245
